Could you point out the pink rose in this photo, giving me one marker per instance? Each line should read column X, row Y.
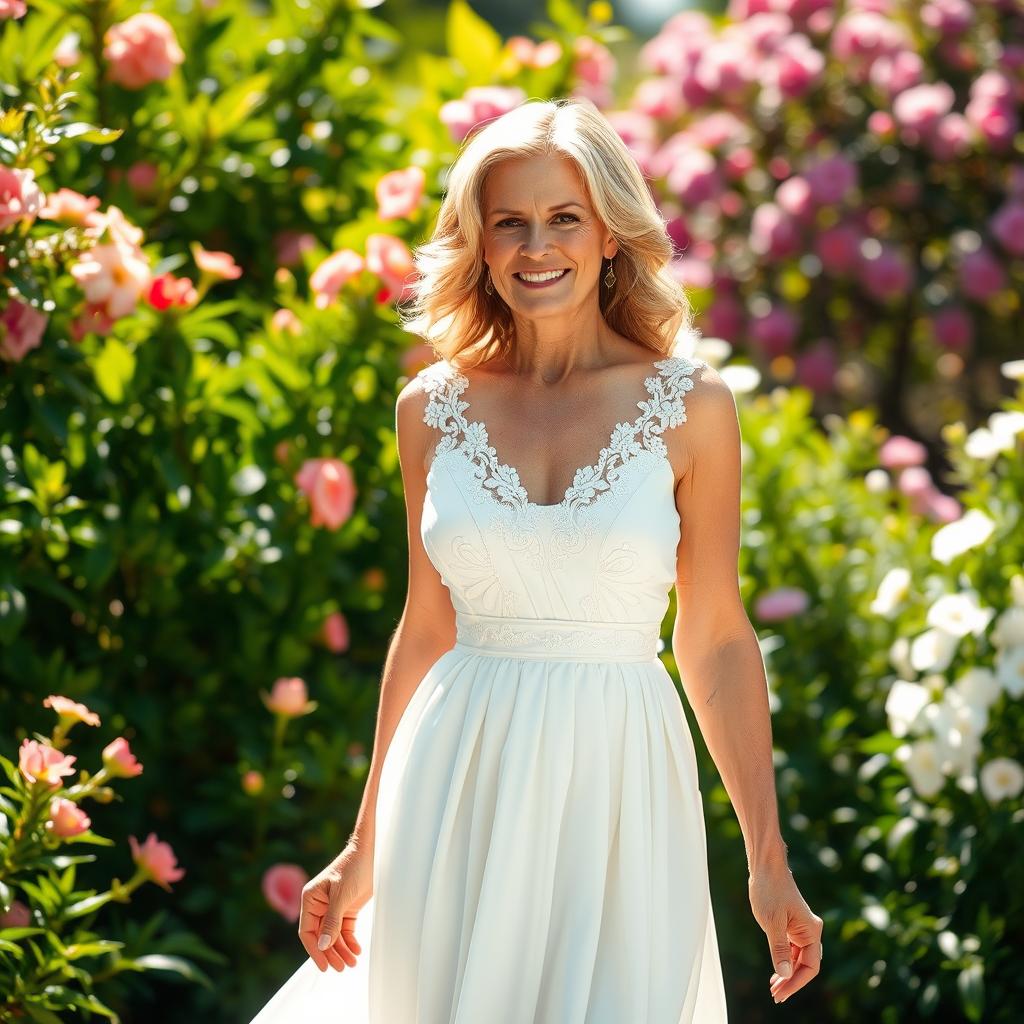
column 479, row 104
column 67, row 819
column 39, row 762
column 795, row 67
column 816, row 367
column 899, row 452
column 333, row 274
column 694, row 177
column 390, row 259
column 141, row 50
column 156, row 860
column 892, row 73
column 1007, row 226
column 399, row 193
column 781, row 603
column 980, row 274
column 20, row 197
column 884, row 271
column 948, row 17
column 289, row 698
column 71, row 710
column 282, row 887
column 329, row 485
column 838, row 248
column 725, row 318
column 21, row 330
column 12, row 9
column 66, row 206
column 773, row 232
column 119, row 760
column 775, row 331
column 953, row 328
column 952, row 137
column 831, row 178
column 921, row 107
column 334, row 632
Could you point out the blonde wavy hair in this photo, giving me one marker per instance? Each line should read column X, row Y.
column 450, row 309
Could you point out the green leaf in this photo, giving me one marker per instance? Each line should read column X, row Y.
column 472, row 41
column 12, row 610
column 971, row 985
column 114, row 369
column 41, row 1014
column 176, row 964
column 81, row 130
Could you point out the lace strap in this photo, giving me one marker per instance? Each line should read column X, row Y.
column 444, row 408
column 667, row 407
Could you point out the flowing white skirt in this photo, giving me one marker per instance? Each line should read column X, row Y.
column 540, row 858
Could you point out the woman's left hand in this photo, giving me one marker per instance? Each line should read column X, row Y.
column 793, row 929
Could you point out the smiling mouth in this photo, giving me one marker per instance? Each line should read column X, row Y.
column 545, row 280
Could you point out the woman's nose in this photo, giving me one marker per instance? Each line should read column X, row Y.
column 536, row 242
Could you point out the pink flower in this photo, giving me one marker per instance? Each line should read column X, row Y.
column 885, row 271
column 795, row 67
column 21, row 330
column 1007, row 226
column 951, row 138
column 39, row 762
column 20, row 196
column 892, row 73
column 289, row 698
column 282, row 887
column 694, row 176
column 141, row 50
column 19, row 916
column 390, row 259
column 115, row 273
column 71, row 710
column 921, row 107
column 285, row 319
column 947, row 17
column 831, row 178
column 142, row 177
column 333, row 274
column 119, row 760
column 156, row 860
column 899, row 452
column 66, row 206
column 12, row 9
column 773, row 232
column 593, row 62
column 529, row 54
column 479, row 104
column 943, row 508
column 953, row 328
column 991, row 108
column 253, row 782
column 726, row 68
column 775, row 331
column 66, row 53
column 216, row 264
column 980, row 274
column 329, row 485
column 781, row 603
column 334, row 632
column 67, row 819
column 915, row 482
column 399, row 193
column 166, row 291
column 658, row 98
column 725, row 318
column 862, row 36
column 816, row 366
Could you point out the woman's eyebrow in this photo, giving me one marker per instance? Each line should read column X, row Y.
column 557, row 206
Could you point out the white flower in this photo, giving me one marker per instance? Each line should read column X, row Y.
column 1010, row 669
column 741, row 379
column 957, row 727
column 891, row 591
column 899, row 656
column 920, row 761
column 904, row 705
column 1013, row 370
column 1006, row 425
column 1001, row 777
column 877, row 481
column 960, row 614
column 1017, row 589
column 970, row 530
column 1009, row 628
column 986, row 444
column 979, row 687
column 932, row 650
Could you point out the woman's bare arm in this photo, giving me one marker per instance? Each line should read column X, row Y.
column 714, row 644
column 426, row 628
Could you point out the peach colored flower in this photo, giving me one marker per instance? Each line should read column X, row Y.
column 390, row 259
column 331, row 490
column 12, row 9
column 141, row 50
column 21, row 330
column 166, row 291
column 285, row 320
column 67, row 818
column 119, row 760
column 92, row 319
column 142, row 177
column 39, row 762
column 253, row 782
column 66, row 206
column 20, row 196
column 214, row 263
column 399, row 193
column 333, row 274
column 289, row 698
column 282, row 886
column 479, row 104
column 534, row 55
column 19, row 916
column 115, row 273
column 157, row 860
column 71, row 709
column 334, row 632
column 66, row 53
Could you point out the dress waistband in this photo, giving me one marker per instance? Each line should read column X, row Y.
column 506, row 636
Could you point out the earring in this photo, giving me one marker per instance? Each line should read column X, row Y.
column 488, row 287
column 609, row 278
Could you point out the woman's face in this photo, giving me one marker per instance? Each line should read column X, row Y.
column 537, row 217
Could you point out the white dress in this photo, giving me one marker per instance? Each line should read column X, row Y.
column 540, row 851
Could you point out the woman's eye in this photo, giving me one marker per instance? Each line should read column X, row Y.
column 510, row 220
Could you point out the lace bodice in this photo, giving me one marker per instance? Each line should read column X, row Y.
column 604, row 553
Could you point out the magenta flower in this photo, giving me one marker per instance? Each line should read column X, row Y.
column 775, row 331
column 980, row 274
column 1007, row 226
column 773, row 232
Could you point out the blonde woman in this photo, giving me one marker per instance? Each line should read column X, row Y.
column 530, row 848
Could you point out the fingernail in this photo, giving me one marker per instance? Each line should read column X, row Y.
column 785, row 968
column 325, row 941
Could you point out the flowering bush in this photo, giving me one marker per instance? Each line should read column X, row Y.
column 47, row 936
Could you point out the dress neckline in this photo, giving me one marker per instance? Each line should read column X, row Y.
column 590, row 479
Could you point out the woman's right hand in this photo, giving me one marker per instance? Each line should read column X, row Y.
column 330, row 903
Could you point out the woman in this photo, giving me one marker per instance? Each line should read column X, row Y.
column 531, row 846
